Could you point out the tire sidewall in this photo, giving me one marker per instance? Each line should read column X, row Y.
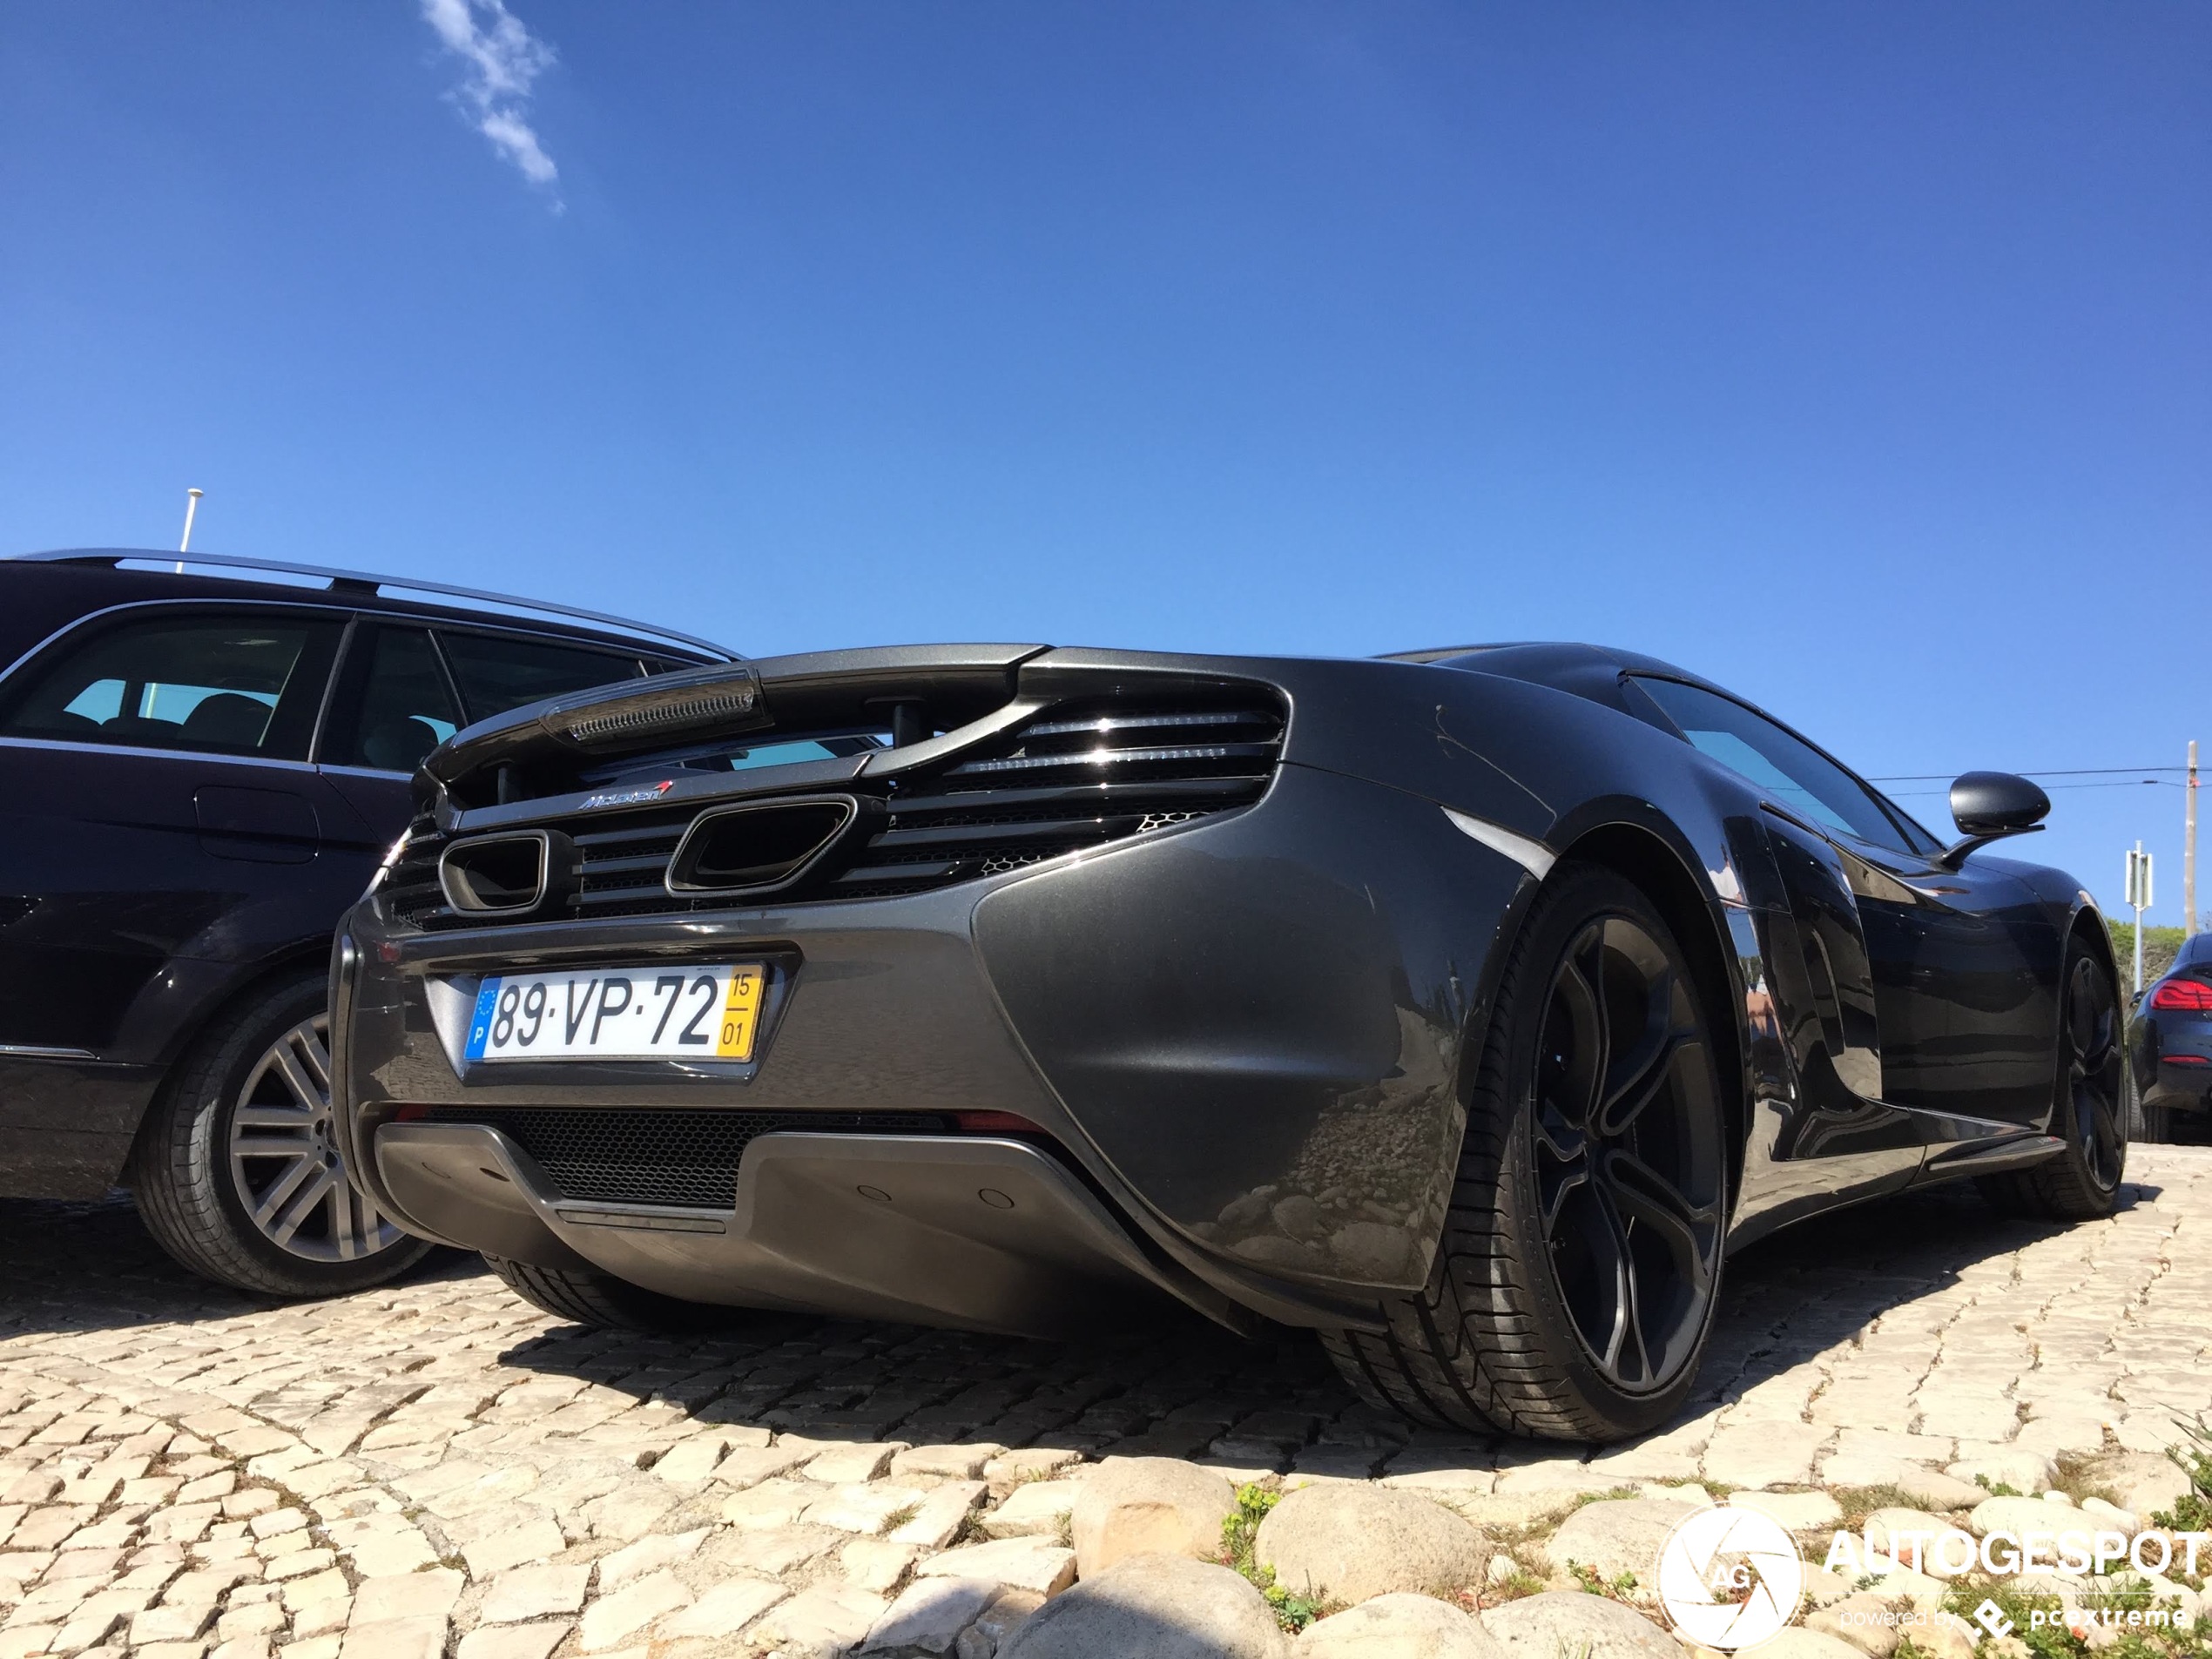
column 1585, row 896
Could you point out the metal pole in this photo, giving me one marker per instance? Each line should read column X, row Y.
column 2140, row 898
column 191, row 506
column 2188, row 850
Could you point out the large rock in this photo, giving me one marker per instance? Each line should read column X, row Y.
column 1568, row 1622
column 1352, row 1542
column 1618, row 1535
column 1398, row 1627
column 1800, row 1643
column 2144, row 1482
column 1148, row 1505
column 1924, row 1543
column 2026, row 1518
column 1163, row 1606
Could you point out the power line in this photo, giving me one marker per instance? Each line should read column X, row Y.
column 2053, row 771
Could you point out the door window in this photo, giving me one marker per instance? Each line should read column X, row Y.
column 239, row 685
column 498, row 672
column 1794, row 773
column 404, row 706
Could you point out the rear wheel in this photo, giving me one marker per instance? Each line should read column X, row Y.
column 1575, row 1286
column 586, row 1296
column 2083, row 1182
column 238, row 1172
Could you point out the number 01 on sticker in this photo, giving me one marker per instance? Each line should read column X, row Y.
column 619, row 1013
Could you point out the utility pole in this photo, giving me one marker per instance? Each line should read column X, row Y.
column 2139, row 896
column 2188, row 850
column 191, row 506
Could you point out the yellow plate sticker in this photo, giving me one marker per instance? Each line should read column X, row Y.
column 741, row 1013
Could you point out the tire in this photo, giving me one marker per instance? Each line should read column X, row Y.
column 1595, row 1158
column 237, row 1171
column 586, row 1296
column 2089, row 1108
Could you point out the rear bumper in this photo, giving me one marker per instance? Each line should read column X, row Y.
column 988, row 1235
column 1240, row 1039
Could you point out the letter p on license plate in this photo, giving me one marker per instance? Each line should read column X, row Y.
column 662, row 1013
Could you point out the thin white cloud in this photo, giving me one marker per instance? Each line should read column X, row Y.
column 503, row 59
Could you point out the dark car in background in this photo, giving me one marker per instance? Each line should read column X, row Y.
column 1467, row 1007
column 2171, row 1039
column 201, row 765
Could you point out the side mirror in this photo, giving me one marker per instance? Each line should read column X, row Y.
column 1989, row 806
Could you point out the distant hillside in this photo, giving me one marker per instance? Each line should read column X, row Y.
column 2161, row 945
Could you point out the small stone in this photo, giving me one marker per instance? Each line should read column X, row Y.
column 1160, row 1605
column 1353, row 1543
column 2029, row 1518
column 726, row 1609
column 771, row 1505
column 827, row 1616
column 631, row 1608
column 877, row 1564
column 535, row 1593
column 941, row 1516
column 510, row 1641
column 847, row 1465
column 1924, row 1543
column 167, row 1624
column 511, row 1547
column 1039, row 1509
column 1800, row 1642
column 416, row 1596
column 1543, row 1627
column 2023, row 1471
column 690, row 1461
column 413, row 1638
column 863, row 1508
column 1791, row 1511
column 648, row 1555
column 996, row 1625
column 1866, row 1620
column 1018, row 1563
column 748, row 1465
column 947, row 1462
column 930, row 1615
column 1398, row 1625
column 1148, row 1505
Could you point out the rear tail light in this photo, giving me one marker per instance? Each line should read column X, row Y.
column 2192, row 995
column 2185, row 1060
column 994, row 1124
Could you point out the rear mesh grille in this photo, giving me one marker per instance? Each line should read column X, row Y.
column 1082, row 776
column 615, row 1154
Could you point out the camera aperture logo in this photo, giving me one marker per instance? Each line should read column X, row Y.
column 1730, row 1578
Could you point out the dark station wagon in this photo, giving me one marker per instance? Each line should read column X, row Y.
column 201, row 763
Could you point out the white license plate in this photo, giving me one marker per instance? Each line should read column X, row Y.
column 619, row 1013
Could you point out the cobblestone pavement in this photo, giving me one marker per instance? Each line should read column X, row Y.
column 435, row 1466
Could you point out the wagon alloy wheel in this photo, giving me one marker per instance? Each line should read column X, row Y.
column 1627, row 1170
column 237, row 1169
column 285, row 1160
column 2093, row 1071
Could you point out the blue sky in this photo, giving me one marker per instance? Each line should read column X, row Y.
column 1855, row 354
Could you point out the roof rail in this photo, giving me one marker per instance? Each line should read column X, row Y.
column 362, row 582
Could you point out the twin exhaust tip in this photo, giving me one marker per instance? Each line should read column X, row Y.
column 753, row 847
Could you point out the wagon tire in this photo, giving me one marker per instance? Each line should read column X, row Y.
column 1573, row 1287
column 238, row 1170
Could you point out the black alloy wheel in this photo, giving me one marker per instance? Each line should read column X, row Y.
column 1628, row 1157
column 1576, row 1283
column 2088, row 1110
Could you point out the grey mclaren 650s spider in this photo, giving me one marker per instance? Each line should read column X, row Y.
column 1468, row 1007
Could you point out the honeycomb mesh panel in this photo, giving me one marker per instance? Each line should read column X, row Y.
column 621, row 1155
